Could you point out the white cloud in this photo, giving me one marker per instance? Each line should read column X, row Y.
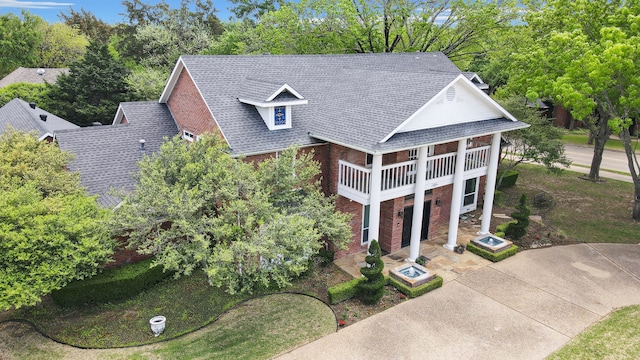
column 33, row 4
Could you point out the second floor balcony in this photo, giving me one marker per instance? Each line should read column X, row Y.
column 354, row 181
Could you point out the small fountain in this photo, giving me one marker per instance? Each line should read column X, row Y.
column 412, row 274
column 491, row 243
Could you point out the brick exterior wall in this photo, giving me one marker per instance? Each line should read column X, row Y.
column 189, row 109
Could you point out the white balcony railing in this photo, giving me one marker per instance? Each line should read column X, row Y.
column 398, row 179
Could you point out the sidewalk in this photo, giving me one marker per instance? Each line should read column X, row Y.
column 524, row 307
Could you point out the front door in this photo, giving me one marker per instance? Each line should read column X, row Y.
column 407, row 223
column 470, row 196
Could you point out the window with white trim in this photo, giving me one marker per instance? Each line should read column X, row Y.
column 188, row 135
column 369, row 160
column 365, row 224
column 413, row 154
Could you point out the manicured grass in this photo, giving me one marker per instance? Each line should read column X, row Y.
column 616, row 337
column 258, row 329
column 188, row 303
column 581, row 137
column 581, row 210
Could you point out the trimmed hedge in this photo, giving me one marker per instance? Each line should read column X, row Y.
column 110, row 285
column 494, row 257
column 509, row 178
column 418, row 290
column 502, row 228
column 344, row 291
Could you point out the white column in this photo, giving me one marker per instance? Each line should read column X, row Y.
column 376, row 189
column 490, row 186
column 418, row 203
column 456, row 197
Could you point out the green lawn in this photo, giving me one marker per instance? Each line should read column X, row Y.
column 616, row 337
column 581, row 210
column 581, row 137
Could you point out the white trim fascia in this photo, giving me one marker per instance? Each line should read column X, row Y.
column 53, row 138
column 460, row 77
column 347, row 145
column 119, row 114
column 276, row 150
column 283, row 88
column 171, row 83
column 274, row 103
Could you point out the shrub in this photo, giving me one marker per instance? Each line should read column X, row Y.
column 372, row 289
column 494, row 257
column 517, row 229
column 509, row 179
column 110, row 285
column 418, row 290
column 326, row 257
column 500, row 229
column 343, row 291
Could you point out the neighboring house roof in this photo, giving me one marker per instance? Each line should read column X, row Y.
column 33, row 75
column 358, row 100
column 19, row 115
column 107, row 156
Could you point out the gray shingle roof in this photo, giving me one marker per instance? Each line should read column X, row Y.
column 20, row 116
column 30, row 75
column 107, row 156
column 353, row 99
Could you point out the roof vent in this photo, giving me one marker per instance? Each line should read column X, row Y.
column 43, row 117
column 142, row 144
column 451, row 93
column 96, row 123
column 32, row 105
column 40, row 71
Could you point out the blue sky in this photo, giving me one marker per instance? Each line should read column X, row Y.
column 107, row 10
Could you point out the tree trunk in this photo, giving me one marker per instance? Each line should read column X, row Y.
column 634, row 169
column 598, row 148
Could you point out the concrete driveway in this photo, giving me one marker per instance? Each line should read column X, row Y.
column 524, row 307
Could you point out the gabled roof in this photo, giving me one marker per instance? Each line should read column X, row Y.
column 107, row 156
column 356, row 100
column 19, row 115
column 32, row 75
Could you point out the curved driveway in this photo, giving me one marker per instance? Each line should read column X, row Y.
column 524, row 307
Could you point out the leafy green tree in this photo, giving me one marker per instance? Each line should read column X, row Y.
column 93, row 88
column 88, row 24
column 61, row 45
column 50, row 232
column 519, row 228
column 372, row 289
column 457, row 28
column 37, row 93
column 540, row 143
column 246, row 227
column 146, row 83
column 588, row 63
column 255, row 9
column 19, row 41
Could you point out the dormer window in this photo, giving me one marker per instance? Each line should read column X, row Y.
column 280, row 116
column 272, row 100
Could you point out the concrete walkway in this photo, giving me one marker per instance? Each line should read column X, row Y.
column 524, row 307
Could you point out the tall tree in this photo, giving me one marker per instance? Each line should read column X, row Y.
column 88, row 24
column 540, row 143
column 61, row 45
column 588, row 63
column 50, row 232
column 19, row 40
column 247, row 228
column 93, row 88
column 37, row 93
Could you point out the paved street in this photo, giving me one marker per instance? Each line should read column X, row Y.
column 581, row 156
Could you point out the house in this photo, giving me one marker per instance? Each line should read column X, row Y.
column 406, row 142
column 106, row 156
column 32, row 76
column 23, row 116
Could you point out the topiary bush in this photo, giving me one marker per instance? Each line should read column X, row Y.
column 371, row 289
column 500, row 229
column 519, row 228
column 509, row 179
column 493, row 257
column 343, row 291
column 418, row 290
column 110, row 285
